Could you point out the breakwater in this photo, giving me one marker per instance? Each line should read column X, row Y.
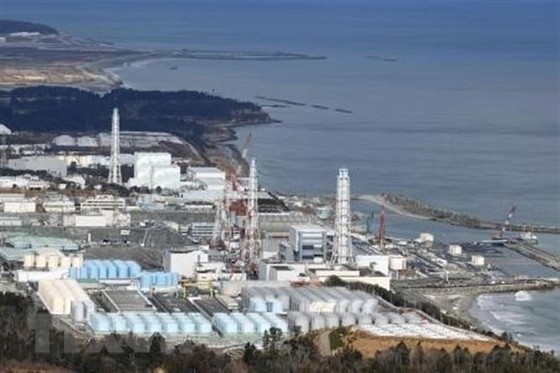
column 400, row 202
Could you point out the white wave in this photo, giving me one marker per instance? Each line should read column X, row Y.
column 523, row 296
column 508, row 317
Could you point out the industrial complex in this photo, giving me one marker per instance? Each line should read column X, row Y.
column 203, row 253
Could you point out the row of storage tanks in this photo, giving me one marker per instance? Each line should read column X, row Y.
column 66, row 297
column 308, row 321
column 106, row 269
column 308, row 299
column 148, row 323
column 150, row 280
column 53, row 260
column 249, row 323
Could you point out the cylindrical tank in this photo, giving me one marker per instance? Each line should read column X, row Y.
column 370, row 305
column 65, row 262
column 379, row 319
column 145, row 281
column 298, row 320
column 331, row 320
column 100, row 323
column 412, row 318
column 395, row 318
column 363, row 319
column 29, row 261
column 356, row 305
column 397, row 263
column 426, row 238
column 260, row 323
column 77, row 261
column 111, row 269
column 40, row 261
column 316, row 321
column 347, row 319
column 74, row 273
column 78, row 311
column 455, row 250
column 477, row 260
column 101, row 269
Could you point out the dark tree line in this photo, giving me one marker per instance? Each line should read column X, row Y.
column 8, row 27
column 64, row 109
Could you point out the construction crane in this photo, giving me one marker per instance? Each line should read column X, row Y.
column 232, row 200
column 499, row 235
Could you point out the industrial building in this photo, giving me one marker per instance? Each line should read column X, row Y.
column 104, row 202
column 184, row 262
column 307, row 243
column 126, row 301
column 28, row 182
column 66, row 297
column 49, row 164
column 154, row 170
column 15, row 203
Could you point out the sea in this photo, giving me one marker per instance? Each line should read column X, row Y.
column 451, row 102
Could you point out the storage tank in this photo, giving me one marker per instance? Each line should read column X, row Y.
column 455, row 250
column 257, row 305
column 40, row 261
column 65, row 262
column 53, row 261
column 74, row 273
column 134, row 323
column 395, row 318
column 331, row 320
column 259, row 322
column 169, row 324
column 244, row 324
column 100, row 323
column 426, row 238
column 77, row 261
column 224, row 323
column 412, row 318
column 28, row 261
column 397, row 263
column 316, row 321
column 379, row 319
column 356, row 305
column 118, row 323
column 122, row 269
column 101, row 269
column 276, row 321
column 78, row 311
column 347, row 319
column 477, row 260
column 203, row 326
column 134, row 268
column 112, row 271
column 298, row 320
column 186, row 324
column 151, row 323
column 363, row 319
column 371, row 305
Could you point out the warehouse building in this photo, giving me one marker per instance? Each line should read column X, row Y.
column 104, row 202
column 50, row 164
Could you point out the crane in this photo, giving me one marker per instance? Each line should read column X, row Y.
column 499, row 235
column 382, row 228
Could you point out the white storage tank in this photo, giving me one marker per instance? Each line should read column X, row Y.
column 426, row 238
column 298, row 320
column 331, row 320
column 371, row 305
column 244, row 324
column 363, row 319
column 347, row 319
column 259, row 322
column 379, row 319
column 477, row 260
column 29, row 261
column 53, row 261
column 397, row 263
column 455, row 250
column 78, row 311
column 41, row 261
column 77, row 261
column 395, row 318
column 65, row 262
column 412, row 318
column 316, row 321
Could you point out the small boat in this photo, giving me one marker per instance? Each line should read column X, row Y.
column 174, row 67
column 529, row 237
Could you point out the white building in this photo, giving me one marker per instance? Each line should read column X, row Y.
column 184, row 262
column 154, row 170
column 50, row 164
column 209, row 178
column 60, row 206
column 308, row 243
column 23, row 182
column 104, row 202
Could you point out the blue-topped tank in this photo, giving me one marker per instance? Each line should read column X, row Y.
column 122, row 269
column 74, row 273
column 111, row 269
column 174, row 278
column 134, row 268
column 83, row 273
column 92, row 270
column 145, row 280
column 102, row 268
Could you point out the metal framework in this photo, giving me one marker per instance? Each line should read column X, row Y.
column 342, row 253
column 252, row 246
column 115, row 176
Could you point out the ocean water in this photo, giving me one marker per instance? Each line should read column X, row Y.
column 463, row 112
